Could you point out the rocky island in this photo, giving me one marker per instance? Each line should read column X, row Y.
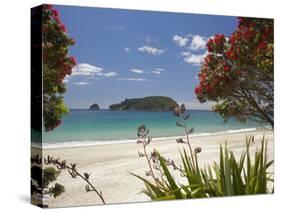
column 94, row 106
column 149, row 103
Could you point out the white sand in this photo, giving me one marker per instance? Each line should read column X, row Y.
column 110, row 165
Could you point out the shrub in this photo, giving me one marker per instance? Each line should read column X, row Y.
column 229, row 177
column 50, row 174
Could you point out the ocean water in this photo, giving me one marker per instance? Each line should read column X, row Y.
column 85, row 127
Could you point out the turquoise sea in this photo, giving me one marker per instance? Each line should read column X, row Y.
column 85, row 127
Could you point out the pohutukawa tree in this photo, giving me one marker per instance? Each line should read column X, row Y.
column 237, row 72
column 56, row 66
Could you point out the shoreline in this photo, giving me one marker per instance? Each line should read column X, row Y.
column 110, row 166
column 89, row 143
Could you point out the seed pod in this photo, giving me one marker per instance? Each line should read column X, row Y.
column 198, row 150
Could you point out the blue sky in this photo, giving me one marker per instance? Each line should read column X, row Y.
column 126, row 53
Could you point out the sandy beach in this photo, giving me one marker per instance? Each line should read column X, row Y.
column 110, row 166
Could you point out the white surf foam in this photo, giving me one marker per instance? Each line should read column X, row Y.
column 123, row 141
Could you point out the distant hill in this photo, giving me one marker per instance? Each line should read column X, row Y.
column 94, row 106
column 149, row 103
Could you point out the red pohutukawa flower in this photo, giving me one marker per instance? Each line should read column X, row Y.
column 231, row 55
column 55, row 12
column 262, row 45
column 216, row 43
column 210, row 44
column 209, row 88
column 57, row 19
column 197, row 89
column 219, row 38
column 63, row 28
column 226, row 68
column 72, row 60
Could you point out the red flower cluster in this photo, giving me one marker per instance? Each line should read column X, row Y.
column 262, row 45
column 267, row 32
column 249, row 33
column 57, row 63
column 210, row 45
column 228, row 59
column 197, row 89
column 72, row 60
column 65, row 70
column 57, row 19
column 209, row 88
column 226, row 68
column 208, row 59
column 231, row 55
column 219, row 38
column 216, row 43
column 63, row 27
column 204, row 86
column 201, row 76
column 55, row 12
column 65, row 67
column 244, row 23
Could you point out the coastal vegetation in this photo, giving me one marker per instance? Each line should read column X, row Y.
column 230, row 176
column 42, row 178
column 57, row 64
column 149, row 103
column 237, row 72
column 40, row 182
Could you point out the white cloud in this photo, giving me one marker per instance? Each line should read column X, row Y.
column 180, row 41
column 108, row 74
column 157, row 72
column 66, row 79
column 198, row 42
column 88, row 70
column 82, row 83
column 194, row 59
column 135, row 70
column 133, row 79
column 151, row 50
column 127, row 49
column 85, row 69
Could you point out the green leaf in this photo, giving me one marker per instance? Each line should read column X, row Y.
column 170, row 179
column 157, row 191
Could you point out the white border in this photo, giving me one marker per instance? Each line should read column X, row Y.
column 15, row 90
